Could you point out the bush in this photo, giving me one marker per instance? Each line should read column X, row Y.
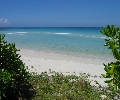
column 56, row 86
column 113, row 43
column 14, row 76
column 113, row 68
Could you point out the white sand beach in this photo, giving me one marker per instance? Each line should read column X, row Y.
column 63, row 63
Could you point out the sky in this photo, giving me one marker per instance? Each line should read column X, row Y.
column 59, row 13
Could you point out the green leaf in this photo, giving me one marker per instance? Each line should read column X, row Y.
column 104, row 75
column 108, row 81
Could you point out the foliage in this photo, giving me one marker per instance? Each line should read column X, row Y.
column 113, row 68
column 14, row 76
column 56, row 86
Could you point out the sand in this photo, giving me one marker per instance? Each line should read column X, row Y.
column 63, row 63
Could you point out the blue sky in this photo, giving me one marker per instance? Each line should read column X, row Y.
column 59, row 13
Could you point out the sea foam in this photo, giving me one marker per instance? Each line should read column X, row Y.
column 21, row 32
column 63, row 33
column 9, row 33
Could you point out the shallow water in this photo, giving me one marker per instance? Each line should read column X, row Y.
column 77, row 41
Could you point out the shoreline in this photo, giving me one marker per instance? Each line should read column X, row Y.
column 84, row 53
column 50, row 53
column 63, row 63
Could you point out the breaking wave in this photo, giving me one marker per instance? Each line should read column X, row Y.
column 63, row 33
column 21, row 32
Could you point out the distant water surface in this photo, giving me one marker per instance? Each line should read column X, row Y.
column 75, row 41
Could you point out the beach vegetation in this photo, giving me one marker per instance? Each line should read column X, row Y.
column 113, row 69
column 14, row 77
column 56, row 86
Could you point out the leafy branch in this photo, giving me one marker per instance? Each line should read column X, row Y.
column 113, row 68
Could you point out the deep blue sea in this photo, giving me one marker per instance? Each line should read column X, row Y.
column 77, row 41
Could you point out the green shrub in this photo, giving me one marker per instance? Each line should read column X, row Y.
column 113, row 68
column 14, row 82
column 56, row 86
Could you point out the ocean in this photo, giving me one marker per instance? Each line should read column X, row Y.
column 74, row 41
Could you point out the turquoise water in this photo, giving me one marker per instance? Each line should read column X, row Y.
column 77, row 41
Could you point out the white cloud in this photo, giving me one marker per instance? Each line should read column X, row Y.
column 1, row 20
column 4, row 21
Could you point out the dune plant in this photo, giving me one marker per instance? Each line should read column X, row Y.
column 113, row 69
column 56, row 86
column 14, row 77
